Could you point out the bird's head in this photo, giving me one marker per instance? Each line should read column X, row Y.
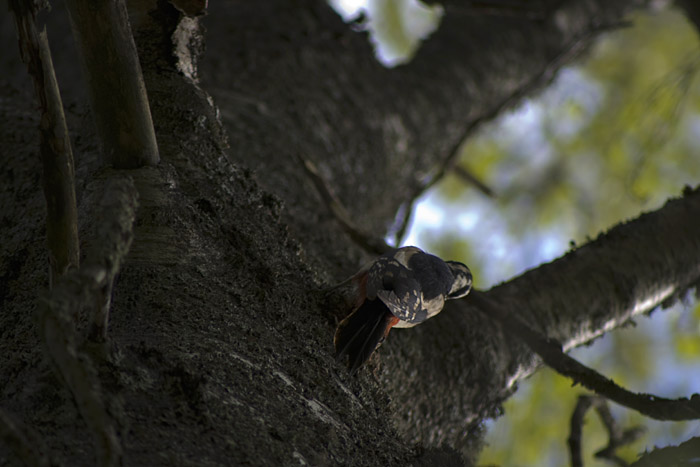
column 462, row 282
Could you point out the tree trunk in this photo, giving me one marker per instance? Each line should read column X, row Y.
column 220, row 339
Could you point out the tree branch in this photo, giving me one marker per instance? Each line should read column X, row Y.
column 114, row 235
column 573, row 48
column 683, row 455
column 616, row 436
column 551, row 353
column 473, row 180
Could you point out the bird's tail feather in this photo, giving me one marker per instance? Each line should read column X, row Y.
column 360, row 334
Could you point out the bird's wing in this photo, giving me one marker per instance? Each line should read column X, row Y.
column 407, row 307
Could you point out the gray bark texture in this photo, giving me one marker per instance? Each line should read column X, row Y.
column 219, row 348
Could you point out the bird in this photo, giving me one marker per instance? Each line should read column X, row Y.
column 401, row 288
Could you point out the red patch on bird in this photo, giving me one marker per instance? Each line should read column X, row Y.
column 393, row 321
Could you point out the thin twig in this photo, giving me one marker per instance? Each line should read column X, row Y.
column 405, row 213
column 551, row 353
column 576, row 430
column 616, row 436
column 369, row 243
column 473, row 180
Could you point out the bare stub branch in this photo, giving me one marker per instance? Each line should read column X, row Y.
column 115, row 82
column 58, row 331
column 617, row 437
column 553, row 356
column 90, row 287
column 23, row 442
column 369, row 243
column 115, row 220
column 56, row 152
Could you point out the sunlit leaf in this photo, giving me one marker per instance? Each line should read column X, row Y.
column 398, row 27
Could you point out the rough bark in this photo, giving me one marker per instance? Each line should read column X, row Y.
column 220, row 341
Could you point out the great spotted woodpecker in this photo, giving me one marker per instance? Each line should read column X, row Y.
column 399, row 289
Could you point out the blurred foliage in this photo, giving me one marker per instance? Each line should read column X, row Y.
column 613, row 136
column 535, row 427
column 396, row 27
column 610, row 138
